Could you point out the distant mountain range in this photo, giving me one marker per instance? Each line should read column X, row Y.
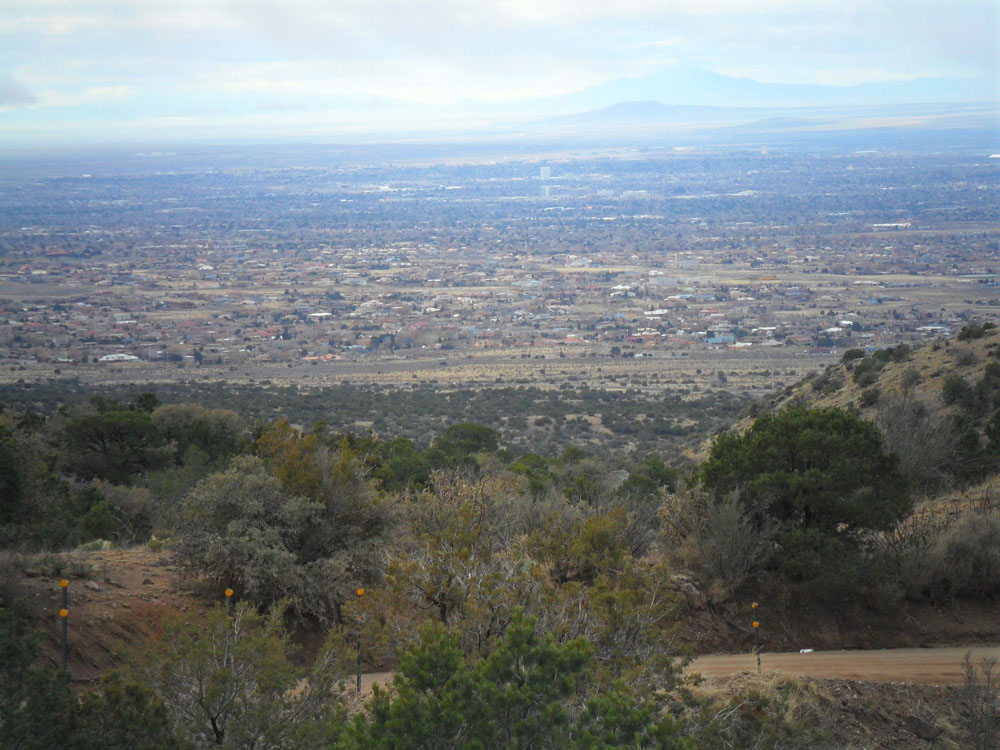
column 650, row 118
column 688, row 86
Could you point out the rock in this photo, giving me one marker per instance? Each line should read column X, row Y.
column 923, row 728
column 695, row 598
column 93, row 586
column 686, row 585
column 147, row 581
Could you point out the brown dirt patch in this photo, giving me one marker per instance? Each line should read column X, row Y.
column 118, row 600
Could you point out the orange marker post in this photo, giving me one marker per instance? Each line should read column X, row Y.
column 64, row 616
column 359, row 592
column 756, row 636
column 229, row 600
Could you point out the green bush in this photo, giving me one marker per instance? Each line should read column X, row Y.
column 870, row 397
column 101, row 522
column 11, row 478
column 812, row 469
column 114, row 445
column 973, row 331
column 530, row 691
column 242, row 529
column 458, row 445
column 956, row 391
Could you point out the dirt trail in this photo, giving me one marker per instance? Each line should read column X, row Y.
column 926, row 666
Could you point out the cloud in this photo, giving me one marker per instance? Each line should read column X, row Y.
column 13, row 94
column 91, row 95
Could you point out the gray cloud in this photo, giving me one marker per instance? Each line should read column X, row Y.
column 13, row 94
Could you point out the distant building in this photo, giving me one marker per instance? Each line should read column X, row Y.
column 545, row 173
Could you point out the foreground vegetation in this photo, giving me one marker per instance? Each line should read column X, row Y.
column 522, row 600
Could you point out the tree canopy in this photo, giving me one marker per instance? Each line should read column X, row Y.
column 817, row 469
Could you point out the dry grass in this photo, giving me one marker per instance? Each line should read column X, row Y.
column 831, row 714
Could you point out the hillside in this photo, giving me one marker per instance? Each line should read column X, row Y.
column 933, row 404
column 918, row 374
column 118, row 602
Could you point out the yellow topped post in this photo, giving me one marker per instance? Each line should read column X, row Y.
column 359, row 592
column 64, row 615
column 756, row 636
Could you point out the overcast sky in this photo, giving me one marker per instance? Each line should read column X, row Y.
column 75, row 67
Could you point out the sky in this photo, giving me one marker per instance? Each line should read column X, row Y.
column 74, row 69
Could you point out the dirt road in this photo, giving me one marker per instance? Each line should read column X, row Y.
column 927, row 666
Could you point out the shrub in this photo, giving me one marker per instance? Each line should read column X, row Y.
column 898, row 353
column 955, row 391
column 866, row 371
column 11, row 477
column 909, row 379
column 531, row 691
column 922, row 439
column 33, row 699
column 458, row 445
column 217, row 433
column 973, row 331
column 981, row 703
column 732, row 543
column 965, row 357
column 870, row 397
column 243, row 530
column 774, row 711
column 228, row 681
column 959, row 561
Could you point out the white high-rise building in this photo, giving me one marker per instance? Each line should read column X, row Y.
column 545, row 173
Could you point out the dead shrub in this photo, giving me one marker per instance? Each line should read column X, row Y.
column 922, row 439
column 961, row 560
column 965, row 357
column 723, row 539
column 981, row 703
